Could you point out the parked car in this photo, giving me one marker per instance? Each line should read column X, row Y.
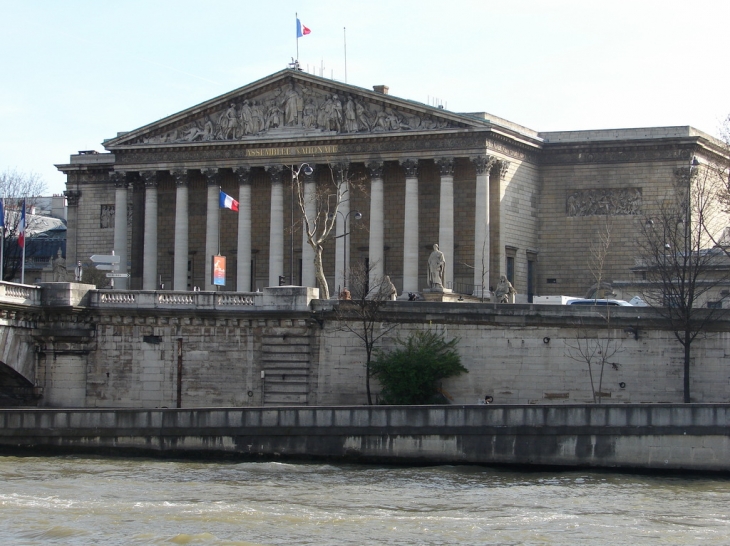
column 621, row 303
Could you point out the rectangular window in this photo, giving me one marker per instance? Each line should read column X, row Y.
column 511, row 269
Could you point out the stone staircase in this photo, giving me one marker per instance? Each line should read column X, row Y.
column 285, row 359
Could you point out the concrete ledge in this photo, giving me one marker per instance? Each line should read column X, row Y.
column 668, row 436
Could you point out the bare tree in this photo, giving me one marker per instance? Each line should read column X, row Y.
column 596, row 348
column 16, row 187
column 683, row 267
column 363, row 314
column 319, row 205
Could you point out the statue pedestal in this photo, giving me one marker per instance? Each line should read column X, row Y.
column 443, row 294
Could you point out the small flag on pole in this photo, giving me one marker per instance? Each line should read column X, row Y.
column 21, row 228
column 228, row 202
column 301, row 29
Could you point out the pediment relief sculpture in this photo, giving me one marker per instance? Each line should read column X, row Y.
column 293, row 109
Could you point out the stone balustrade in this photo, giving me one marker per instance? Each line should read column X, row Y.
column 19, row 294
column 125, row 299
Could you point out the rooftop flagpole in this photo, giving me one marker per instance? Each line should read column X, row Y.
column 344, row 30
column 296, row 16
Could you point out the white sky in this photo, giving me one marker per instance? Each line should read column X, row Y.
column 75, row 72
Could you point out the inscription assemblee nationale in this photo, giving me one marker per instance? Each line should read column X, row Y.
column 295, row 150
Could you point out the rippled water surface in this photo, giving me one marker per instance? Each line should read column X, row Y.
column 76, row 500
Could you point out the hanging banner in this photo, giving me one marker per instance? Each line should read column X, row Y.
column 219, row 270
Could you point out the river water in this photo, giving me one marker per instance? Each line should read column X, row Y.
column 84, row 500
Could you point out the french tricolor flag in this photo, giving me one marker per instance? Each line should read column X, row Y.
column 21, row 227
column 301, row 29
column 228, row 202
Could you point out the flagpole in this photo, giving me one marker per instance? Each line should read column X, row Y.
column 22, row 269
column 296, row 16
column 344, row 30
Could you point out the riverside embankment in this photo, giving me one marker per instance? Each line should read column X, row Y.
column 630, row 436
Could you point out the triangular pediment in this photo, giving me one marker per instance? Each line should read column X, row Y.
column 293, row 104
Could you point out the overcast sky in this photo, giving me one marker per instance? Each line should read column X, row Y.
column 75, row 72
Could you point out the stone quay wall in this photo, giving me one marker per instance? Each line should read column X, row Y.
column 689, row 437
column 283, row 347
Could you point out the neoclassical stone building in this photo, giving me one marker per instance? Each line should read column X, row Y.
column 497, row 197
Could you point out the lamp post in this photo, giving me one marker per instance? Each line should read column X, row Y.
column 345, row 217
column 307, row 169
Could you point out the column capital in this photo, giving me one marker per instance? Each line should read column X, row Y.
column 503, row 168
column 276, row 173
column 410, row 167
column 72, row 197
column 446, row 166
column 119, row 179
column 375, row 169
column 212, row 175
column 243, row 174
column 149, row 178
column 180, row 176
column 484, row 163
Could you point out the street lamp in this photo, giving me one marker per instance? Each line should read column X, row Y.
column 307, row 170
column 345, row 217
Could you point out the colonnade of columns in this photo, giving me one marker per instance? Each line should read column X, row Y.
column 483, row 166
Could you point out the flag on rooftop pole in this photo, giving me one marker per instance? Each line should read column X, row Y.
column 301, row 29
column 21, row 241
column 228, row 202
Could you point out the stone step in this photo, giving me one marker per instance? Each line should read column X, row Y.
column 286, row 349
column 298, row 388
column 285, row 399
column 284, row 357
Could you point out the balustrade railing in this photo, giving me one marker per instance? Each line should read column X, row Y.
column 172, row 300
column 22, row 294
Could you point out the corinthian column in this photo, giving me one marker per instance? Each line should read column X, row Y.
column 446, row 218
column 376, row 244
column 342, row 239
column 120, row 225
column 276, row 225
column 180, row 267
column 483, row 165
column 149, row 265
column 243, row 267
column 410, row 228
column 309, row 278
column 212, row 224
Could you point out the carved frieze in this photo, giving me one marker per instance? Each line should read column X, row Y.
column 465, row 143
column 616, row 154
column 295, row 109
column 606, row 202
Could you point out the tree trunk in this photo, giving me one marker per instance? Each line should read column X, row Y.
column 319, row 272
column 687, row 347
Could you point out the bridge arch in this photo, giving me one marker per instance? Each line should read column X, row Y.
column 15, row 389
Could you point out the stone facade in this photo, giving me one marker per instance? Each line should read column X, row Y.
column 525, row 204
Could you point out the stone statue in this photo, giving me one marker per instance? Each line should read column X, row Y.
column 59, row 268
column 389, row 289
column 293, row 105
column 229, row 123
column 505, row 292
column 436, row 267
